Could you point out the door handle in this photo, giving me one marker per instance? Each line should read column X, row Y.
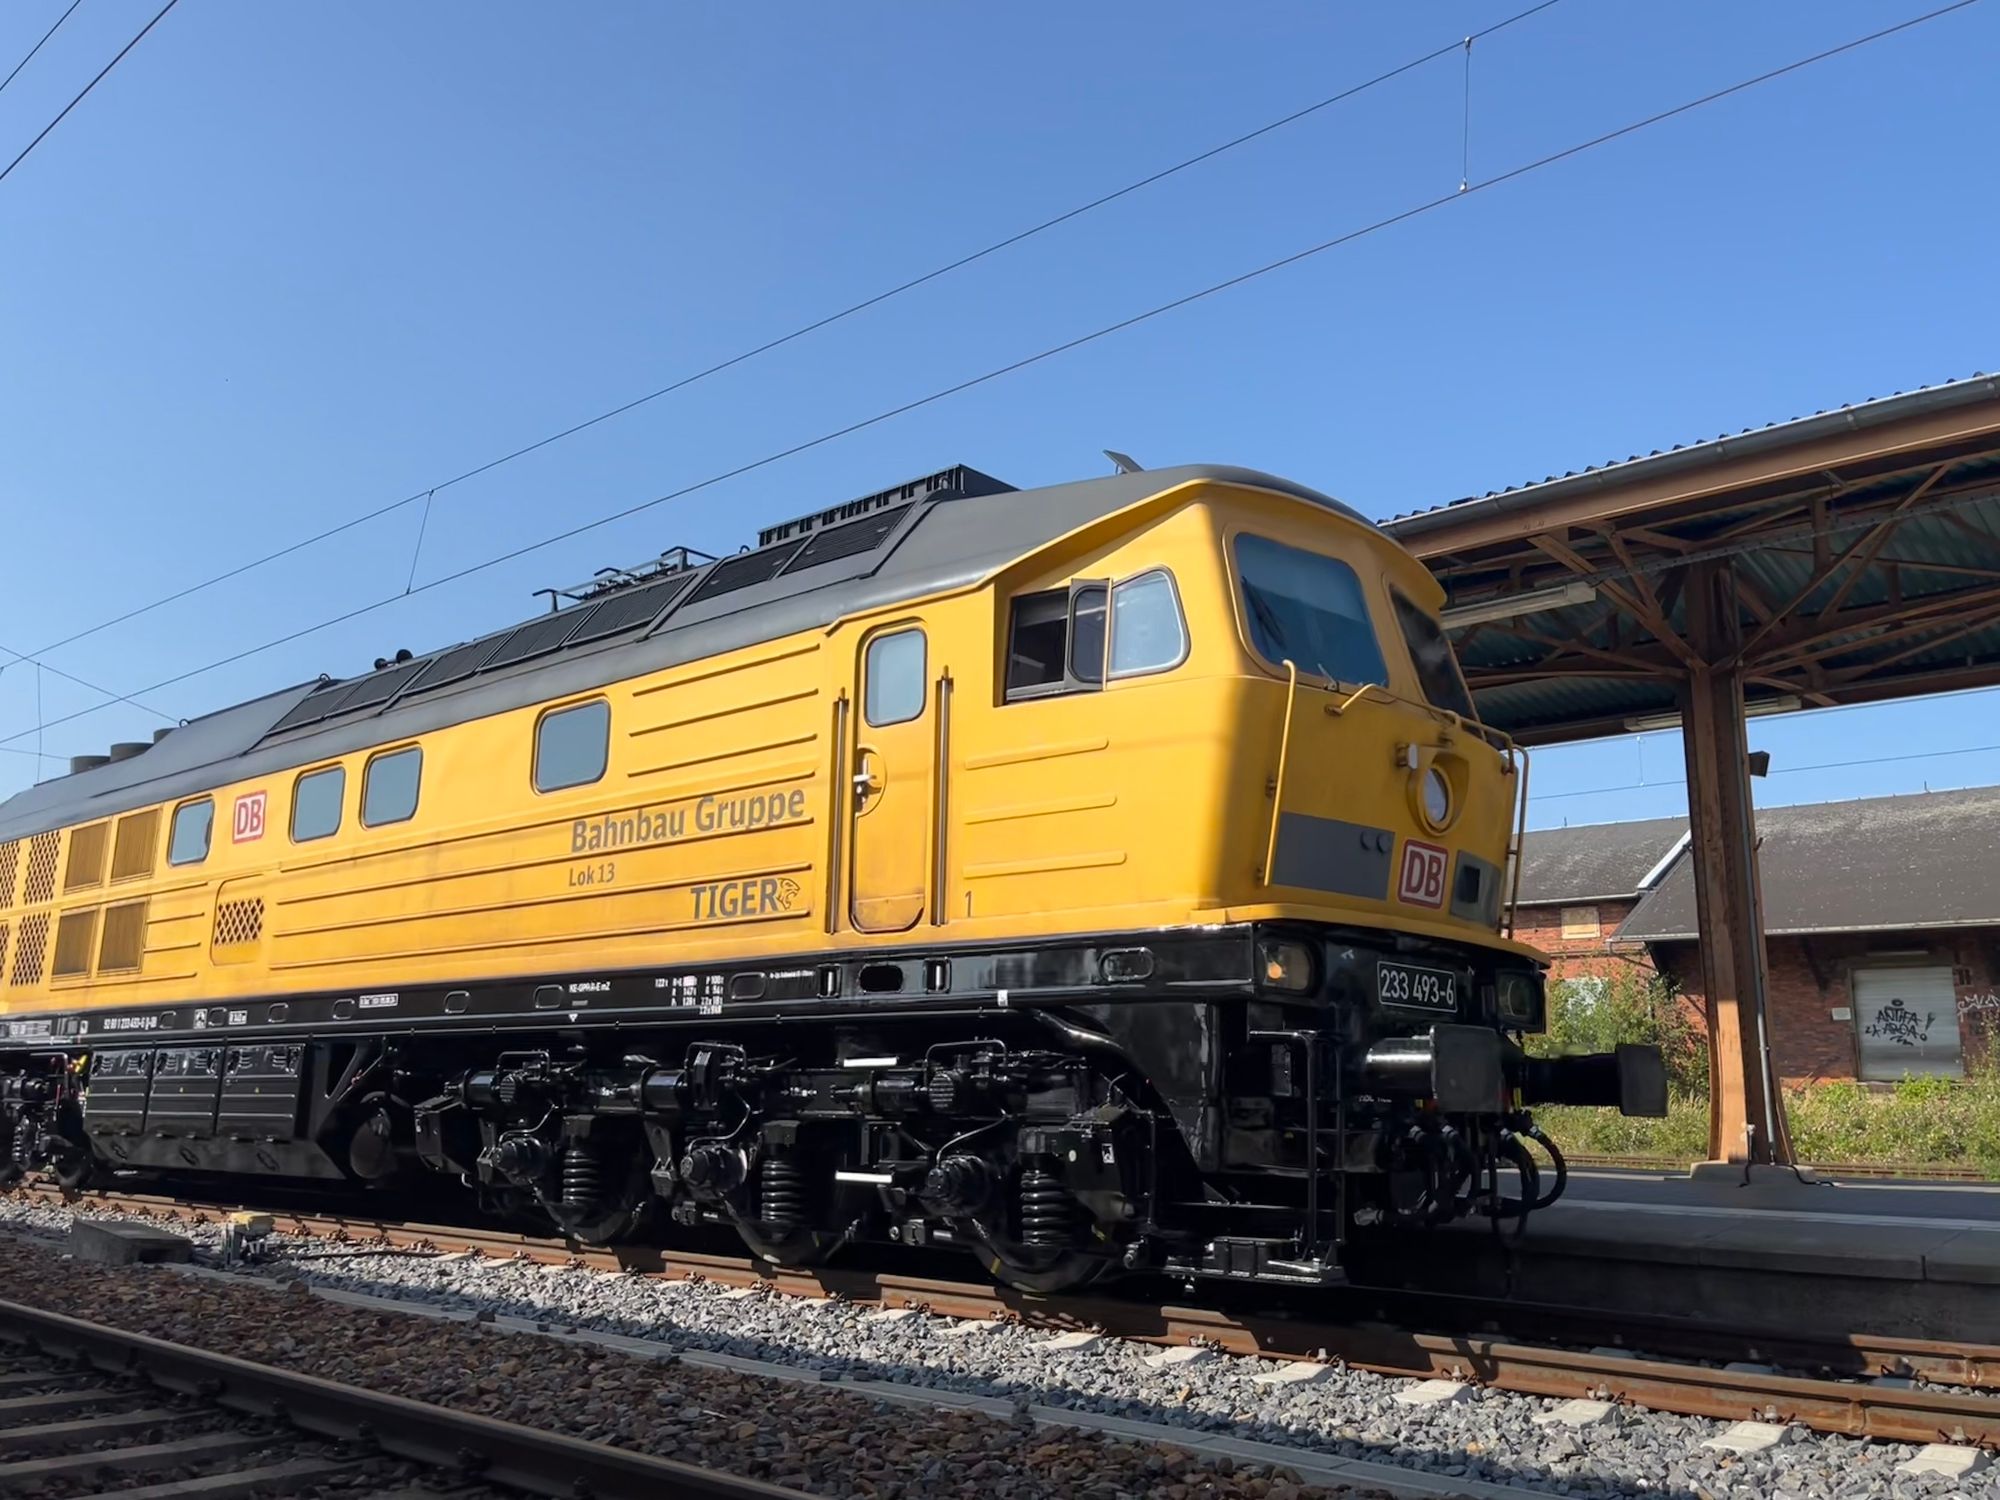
column 865, row 780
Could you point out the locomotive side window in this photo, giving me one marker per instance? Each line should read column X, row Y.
column 1086, row 633
column 1437, row 668
column 1037, row 642
column 316, row 801
column 895, row 678
column 389, row 787
column 1308, row 609
column 572, row 746
column 194, row 822
column 1147, row 631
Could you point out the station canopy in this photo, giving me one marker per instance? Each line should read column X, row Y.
column 1862, row 547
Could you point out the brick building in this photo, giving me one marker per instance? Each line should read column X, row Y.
column 1578, row 885
column 1882, row 923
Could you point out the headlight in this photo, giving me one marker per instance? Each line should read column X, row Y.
column 1284, row 965
column 1437, row 798
column 1519, row 998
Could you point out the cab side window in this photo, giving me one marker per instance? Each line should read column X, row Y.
column 389, row 787
column 572, row 746
column 1431, row 655
column 1074, row 640
column 194, row 825
column 316, row 800
column 1148, row 633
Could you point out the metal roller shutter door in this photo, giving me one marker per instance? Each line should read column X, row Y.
column 1908, row 1022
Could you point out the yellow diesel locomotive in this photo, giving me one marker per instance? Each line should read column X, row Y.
column 1109, row 875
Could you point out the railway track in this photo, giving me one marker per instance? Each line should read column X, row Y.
column 1863, row 1385
column 86, row 1409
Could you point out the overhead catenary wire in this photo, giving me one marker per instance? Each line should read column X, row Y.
column 1825, row 765
column 1006, row 242
column 8, row 171
column 1418, row 210
column 73, row 4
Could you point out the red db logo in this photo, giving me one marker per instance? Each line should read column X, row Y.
column 1422, row 881
column 249, row 819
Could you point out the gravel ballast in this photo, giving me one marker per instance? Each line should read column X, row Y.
column 824, row 1437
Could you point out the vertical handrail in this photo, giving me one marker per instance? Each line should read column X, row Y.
column 941, row 803
column 1278, row 790
column 1520, row 844
column 837, row 803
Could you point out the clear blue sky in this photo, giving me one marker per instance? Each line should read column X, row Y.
column 292, row 262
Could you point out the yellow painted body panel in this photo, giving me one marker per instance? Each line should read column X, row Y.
column 749, row 811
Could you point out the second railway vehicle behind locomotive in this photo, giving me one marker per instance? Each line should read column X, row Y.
column 1103, row 876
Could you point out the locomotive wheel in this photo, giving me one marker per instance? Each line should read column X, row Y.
column 1046, row 1271
column 798, row 1248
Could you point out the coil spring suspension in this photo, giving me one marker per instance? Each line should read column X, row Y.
column 582, row 1177
column 781, row 1193
column 26, row 1137
column 1048, row 1214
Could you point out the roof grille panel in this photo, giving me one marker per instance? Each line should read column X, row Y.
column 538, row 637
column 622, row 611
column 315, row 706
column 849, row 540
column 381, row 686
column 457, row 664
column 741, row 571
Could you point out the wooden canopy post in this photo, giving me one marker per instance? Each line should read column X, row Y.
column 1746, row 1119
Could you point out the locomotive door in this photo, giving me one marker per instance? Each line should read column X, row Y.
column 892, row 778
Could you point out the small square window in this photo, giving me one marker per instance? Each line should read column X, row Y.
column 1579, row 922
column 389, row 789
column 572, row 746
column 316, row 802
column 194, row 823
column 895, row 674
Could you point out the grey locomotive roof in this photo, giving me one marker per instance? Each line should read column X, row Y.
column 1879, row 864
column 938, row 541
column 1598, row 862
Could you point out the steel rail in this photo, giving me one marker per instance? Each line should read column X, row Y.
column 1635, row 1373
column 493, row 1451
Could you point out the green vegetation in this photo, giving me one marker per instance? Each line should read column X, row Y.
column 1930, row 1122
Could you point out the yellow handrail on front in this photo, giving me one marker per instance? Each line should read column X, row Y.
column 1278, row 790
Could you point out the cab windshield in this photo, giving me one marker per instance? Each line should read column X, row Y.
column 1307, row 609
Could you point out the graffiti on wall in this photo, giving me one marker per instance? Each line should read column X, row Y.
column 1979, row 1005
column 1897, row 1023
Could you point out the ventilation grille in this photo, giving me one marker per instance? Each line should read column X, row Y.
column 457, row 664
column 849, row 540
column 123, row 942
column 315, row 706
column 639, row 606
column 239, row 922
column 28, row 946
column 3, row 947
column 734, row 573
column 138, row 834
column 86, row 857
column 10, row 866
column 41, row 882
column 378, row 687
column 76, row 934
column 538, row 637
